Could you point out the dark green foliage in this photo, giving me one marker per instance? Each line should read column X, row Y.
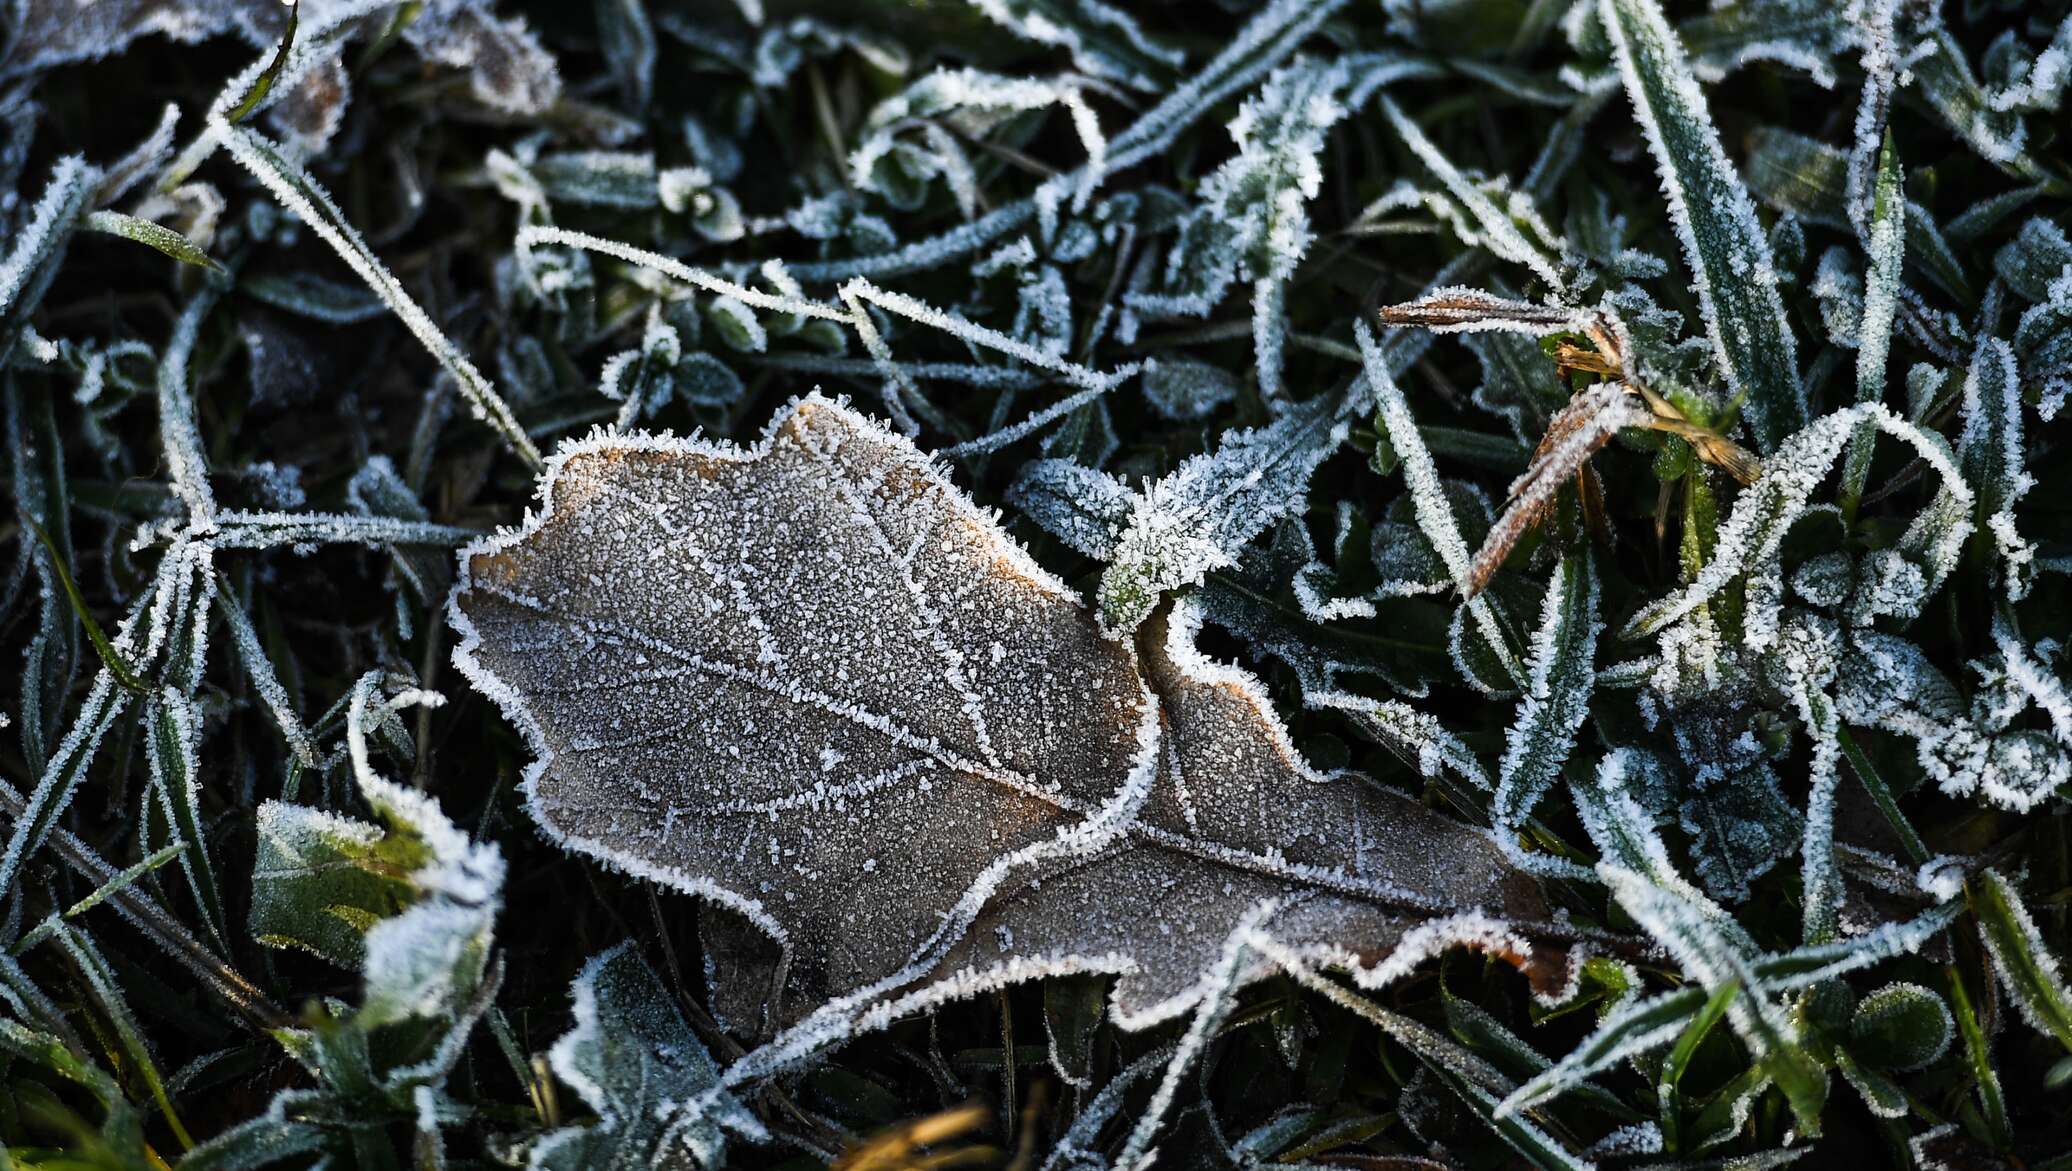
column 268, row 358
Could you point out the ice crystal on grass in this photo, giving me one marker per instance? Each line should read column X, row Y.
column 1991, row 453
column 1251, row 222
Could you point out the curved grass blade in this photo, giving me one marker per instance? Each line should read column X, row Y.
column 300, row 194
column 272, row 72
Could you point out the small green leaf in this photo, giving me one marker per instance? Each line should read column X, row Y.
column 633, row 1059
column 1901, row 1027
column 319, row 881
column 158, row 236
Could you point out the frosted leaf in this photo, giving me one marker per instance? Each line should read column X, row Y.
column 1557, row 698
column 1798, row 34
column 713, row 210
column 1085, row 508
column 2043, row 341
column 1184, row 390
column 1945, row 79
column 1901, row 1027
column 1889, row 684
column 1197, row 518
column 2038, row 83
column 1428, row 494
column 1740, row 825
column 1273, row 33
column 1283, row 602
column 1574, row 434
column 813, row 683
column 953, row 104
column 308, row 295
column 598, row 178
column 663, row 559
column 1885, row 242
column 644, row 380
column 48, row 33
column 706, row 381
column 413, row 904
column 1403, row 555
column 1518, row 382
column 38, row 246
column 1841, row 298
column 508, row 71
column 1461, row 310
column 1804, row 663
column 1887, row 584
column 2038, row 255
column 428, row 960
column 1990, row 451
column 633, row 1060
column 1882, row 66
column 1715, row 956
column 1824, row 580
column 1723, row 242
column 1251, row 220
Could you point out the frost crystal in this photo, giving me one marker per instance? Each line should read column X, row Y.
column 1557, row 697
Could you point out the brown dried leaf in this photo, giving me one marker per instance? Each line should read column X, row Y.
column 1575, row 433
column 812, row 682
column 1463, row 310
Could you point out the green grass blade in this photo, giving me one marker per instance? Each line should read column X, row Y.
column 1715, row 220
column 2027, row 969
column 152, row 235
